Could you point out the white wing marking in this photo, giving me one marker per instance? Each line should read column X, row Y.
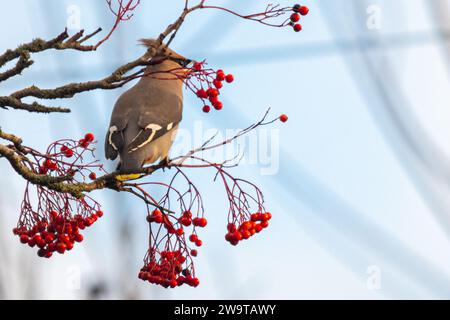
column 154, row 128
column 111, row 131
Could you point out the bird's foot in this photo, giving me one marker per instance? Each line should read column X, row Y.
column 164, row 163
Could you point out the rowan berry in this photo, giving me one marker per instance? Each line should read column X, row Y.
column 303, row 10
column 229, row 78
column 206, row 109
column 295, row 17
column 218, row 84
column 89, row 137
column 284, row 118
column 297, row 27
column 201, row 93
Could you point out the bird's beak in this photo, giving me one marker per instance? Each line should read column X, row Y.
column 187, row 63
column 183, row 62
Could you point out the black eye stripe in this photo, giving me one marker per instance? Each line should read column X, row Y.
column 181, row 62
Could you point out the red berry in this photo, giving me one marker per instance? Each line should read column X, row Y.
column 41, row 243
column 201, row 93
column 42, row 170
column 194, row 252
column 68, row 153
column 188, row 214
column 265, row 217
column 206, row 109
column 218, row 84
column 185, row 221
column 297, row 27
column 50, row 165
column 31, row 242
column 264, row 224
column 295, row 17
column 158, row 219
column 197, row 66
column 220, row 75
column 203, row 222
column 213, row 100
column 51, row 247
column 195, row 282
column 24, row 238
column 229, row 78
column 246, row 225
column 303, row 10
column 83, row 143
column 48, row 254
column 180, row 231
column 41, row 253
column 193, row 237
column 88, row 222
column 196, row 222
column 218, row 105
column 61, row 247
column 231, row 227
column 78, row 237
column 156, row 213
column 53, row 214
column 255, row 217
column 237, row 236
column 49, row 238
column 198, row 243
column 212, row 93
column 92, row 176
column 245, row 234
column 258, row 228
column 283, row 118
column 89, row 137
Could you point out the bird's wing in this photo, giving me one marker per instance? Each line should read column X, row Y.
column 115, row 140
column 157, row 120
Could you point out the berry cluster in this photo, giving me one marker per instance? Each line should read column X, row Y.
column 59, row 234
column 54, row 223
column 248, row 228
column 299, row 11
column 211, row 82
column 168, row 271
column 55, row 160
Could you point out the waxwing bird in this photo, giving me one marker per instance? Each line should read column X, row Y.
column 145, row 118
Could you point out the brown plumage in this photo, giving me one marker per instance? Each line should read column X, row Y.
column 145, row 118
